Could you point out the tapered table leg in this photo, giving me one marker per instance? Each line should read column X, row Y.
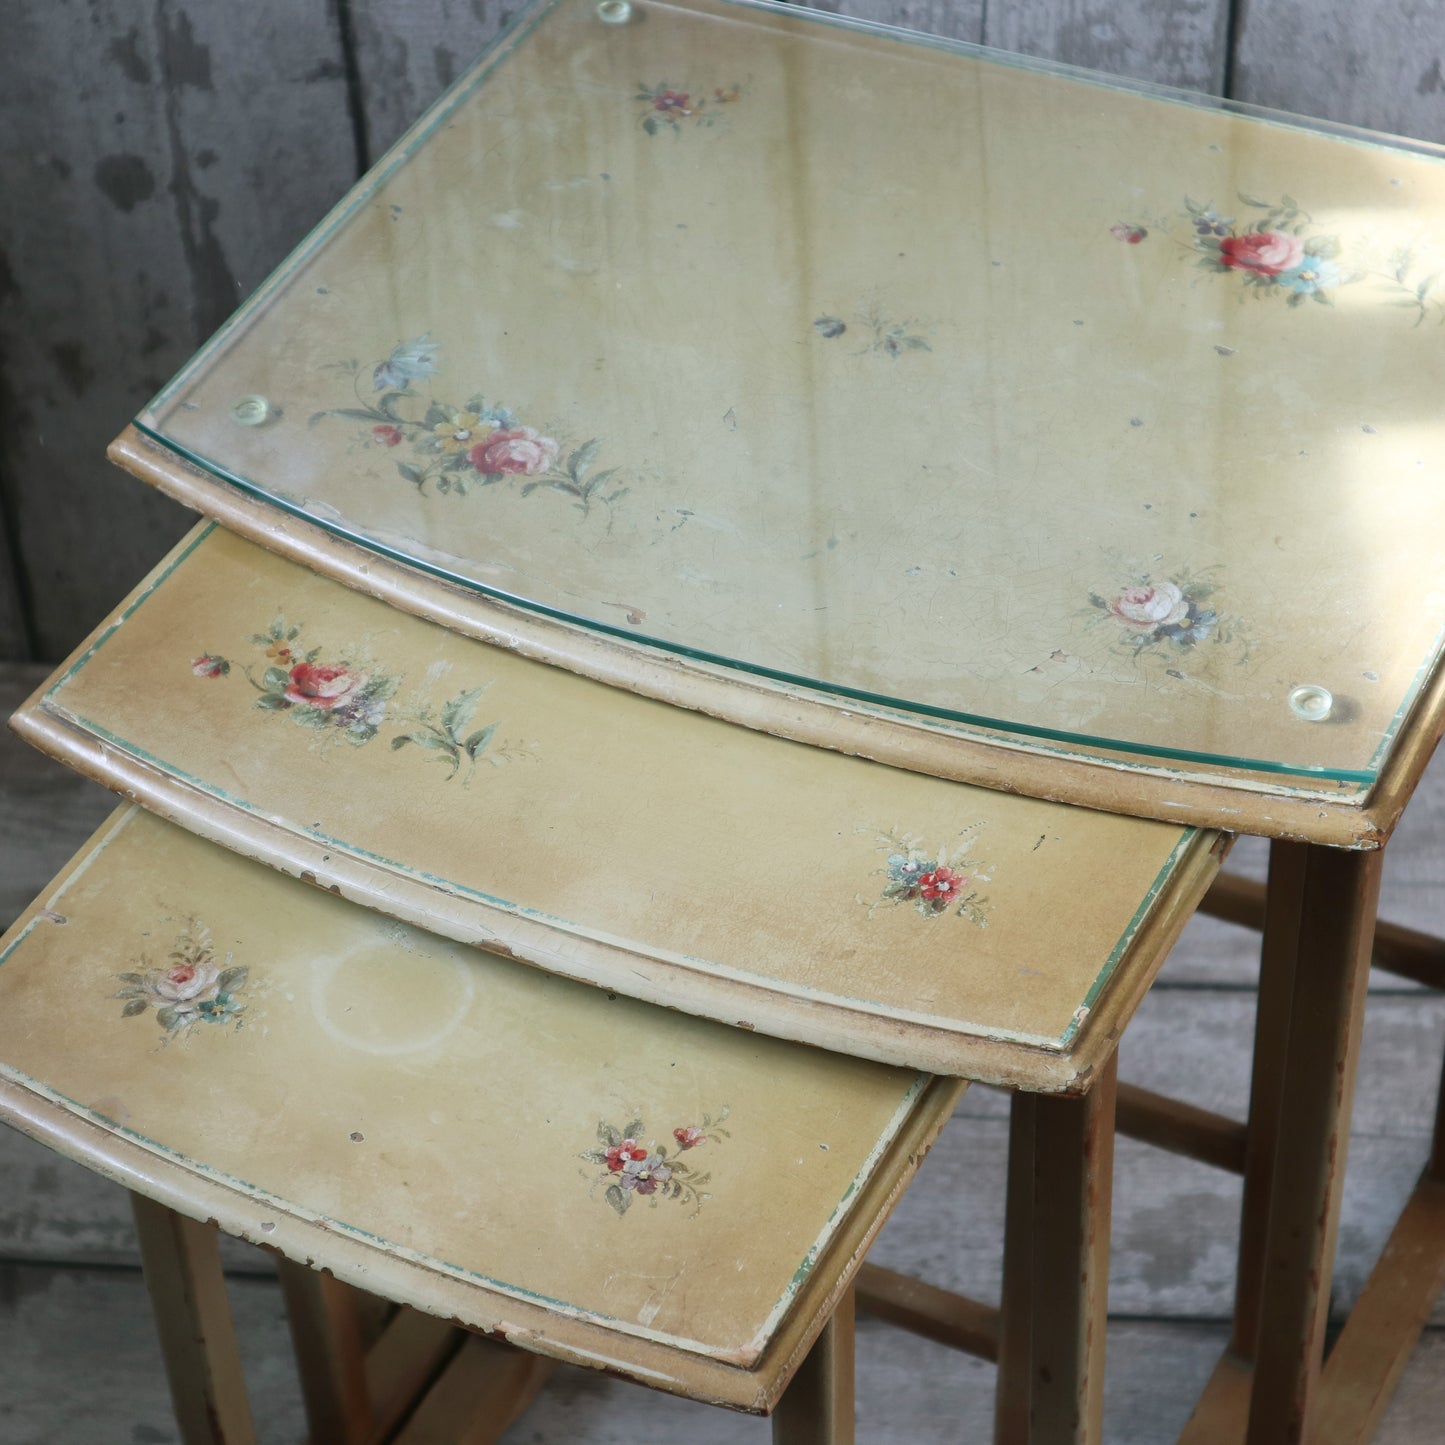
column 1331, row 927
column 326, row 1331
column 817, row 1407
column 1015, row 1351
column 1056, row 1267
column 1284, row 901
column 193, row 1317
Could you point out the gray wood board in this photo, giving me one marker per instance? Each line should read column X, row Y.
column 1181, row 43
column 1377, row 65
column 406, row 55
column 14, row 634
column 46, row 811
column 157, row 162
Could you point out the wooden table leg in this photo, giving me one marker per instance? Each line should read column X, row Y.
column 817, row 1407
column 326, row 1331
column 193, row 1317
column 1330, row 920
column 1015, row 1350
column 1056, row 1267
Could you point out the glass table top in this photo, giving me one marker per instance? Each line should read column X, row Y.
column 923, row 376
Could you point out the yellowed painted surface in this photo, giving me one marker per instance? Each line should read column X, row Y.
column 614, row 817
column 1025, row 407
column 436, row 1100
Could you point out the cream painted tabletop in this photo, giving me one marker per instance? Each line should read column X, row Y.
column 616, row 839
column 578, row 1170
column 792, row 364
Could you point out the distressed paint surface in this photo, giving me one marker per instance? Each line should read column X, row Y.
column 679, row 839
column 398, row 1087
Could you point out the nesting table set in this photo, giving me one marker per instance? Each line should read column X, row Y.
column 752, row 566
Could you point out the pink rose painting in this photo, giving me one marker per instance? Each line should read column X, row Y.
column 1267, row 253
column 348, row 700
column 1159, row 605
column 519, row 452
column 314, row 684
column 448, row 450
column 1278, row 253
column 192, row 988
column 1172, row 615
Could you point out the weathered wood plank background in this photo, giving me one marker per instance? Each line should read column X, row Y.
column 158, row 157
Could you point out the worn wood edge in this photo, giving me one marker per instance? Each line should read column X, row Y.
column 999, row 761
column 748, row 1380
column 1405, row 952
column 1368, row 1358
column 942, row 1315
column 831, row 1022
column 748, row 1377
column 1147, row 950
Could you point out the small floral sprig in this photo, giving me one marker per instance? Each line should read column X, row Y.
column 1273, row 256
column 191, row 988
column 444, row 732
column 456, row 449
column 935, row 881
column 1276, row 252
column 348, row 696
column 1174, row 614
column 631, row 1168
column 353, row 699
column 671, row 108
column 888, row 338
column 1404, row 290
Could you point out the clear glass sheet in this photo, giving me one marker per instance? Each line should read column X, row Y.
column 925, row 376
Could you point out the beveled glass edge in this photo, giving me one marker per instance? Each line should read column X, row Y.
column 897, row 708
column 532, row 13
column 360, row 191
column 1157, row 90
column 51, row 698
column 475, row 73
